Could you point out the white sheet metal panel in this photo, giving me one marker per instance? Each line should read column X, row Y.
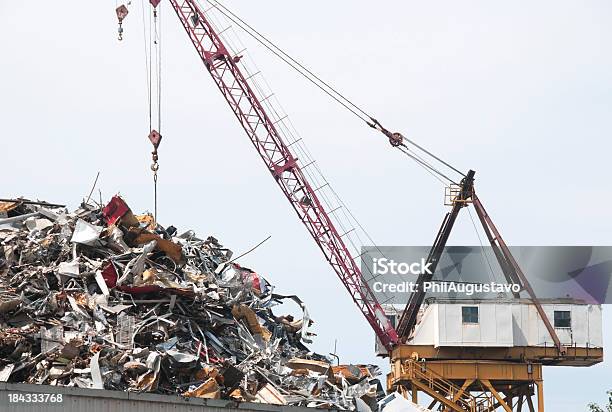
column 580, row 325
column 543, row 338
column 427, row 329
column 504, row 325
column 441, row 326
column 436, row 314
column 488, row 318
column 531, row 323
column 520, row 333
column 449, row 322
column 595, row 331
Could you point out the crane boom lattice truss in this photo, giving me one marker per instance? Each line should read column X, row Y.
column 281, row 163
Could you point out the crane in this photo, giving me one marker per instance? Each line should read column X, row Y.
column 284, row 167
column 273, row 148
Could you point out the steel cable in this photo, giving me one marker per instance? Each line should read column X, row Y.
column 318, row 82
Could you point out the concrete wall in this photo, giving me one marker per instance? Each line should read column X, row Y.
column 89, row 400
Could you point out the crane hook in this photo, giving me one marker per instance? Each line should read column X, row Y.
column 121, row 11
column 154, row 3
column 155, row 139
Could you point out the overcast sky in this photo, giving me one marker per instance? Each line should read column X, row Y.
column 519, row 91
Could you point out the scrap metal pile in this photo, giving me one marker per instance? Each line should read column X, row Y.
column 102, row 298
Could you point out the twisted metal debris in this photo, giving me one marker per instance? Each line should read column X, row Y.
column 102, row 298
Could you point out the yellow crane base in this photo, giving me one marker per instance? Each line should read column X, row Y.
column 470, row 385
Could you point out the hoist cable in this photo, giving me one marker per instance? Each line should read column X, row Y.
column 155, row 196
column 158, row 54
column 152, row 36
column 434, row 156
column 147, row 63
column 268, row 44
column 150, row 72
column 156, row 32
column 420, row 162
column 158, row 51
column 432, row 170
column 486, row 257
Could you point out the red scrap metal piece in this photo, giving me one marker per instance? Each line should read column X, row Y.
column 251, row 278
column 136, row 290
column 155, row 138
column 109, row 274
column 154, row 3
column 114, row 210
column 121, row 11
column 255, row 281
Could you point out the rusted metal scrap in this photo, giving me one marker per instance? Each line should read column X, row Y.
column 102, row 298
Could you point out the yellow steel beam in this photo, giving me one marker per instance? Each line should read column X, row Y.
column 465, row 385
column 540, row 385
column 509, row 394
column 574, row 356
column 437, row 396
column 460, row 392
column 462, row 370
column 497, row 396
